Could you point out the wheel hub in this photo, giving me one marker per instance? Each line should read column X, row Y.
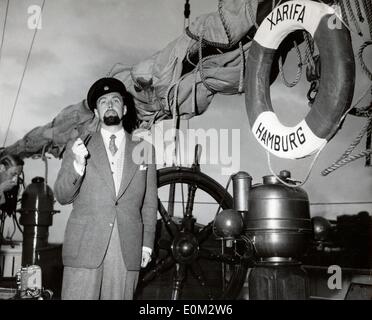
column 185, row 247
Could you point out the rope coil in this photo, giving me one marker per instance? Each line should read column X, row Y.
column 299, row 69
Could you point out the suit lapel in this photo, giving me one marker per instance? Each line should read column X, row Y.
column 99, row 157
column 130, row 167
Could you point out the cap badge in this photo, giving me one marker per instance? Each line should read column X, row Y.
column 105, row 88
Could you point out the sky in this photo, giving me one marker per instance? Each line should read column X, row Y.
column 79, row 42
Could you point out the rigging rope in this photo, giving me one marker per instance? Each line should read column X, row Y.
column 220, row 45
column 368, row 10
column 242, row 68
column 309, row 58
column 299, row 68
column 343, row 12
column 353, row 18
column 359, row 11
column 310, row 48
column 362, row 112
column 200, row 64
column 367, row 6
column 295, row 182
column 186, row 14
column 345, row 161
column 4, row 26
column 23, row 75
column 366, row 111
column 345, row 21
column 251, row 14
column 346, row 158
column 224, row 23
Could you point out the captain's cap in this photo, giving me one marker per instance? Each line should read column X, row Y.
column 102, row 87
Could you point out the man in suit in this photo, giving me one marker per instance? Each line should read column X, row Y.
column 111, row 229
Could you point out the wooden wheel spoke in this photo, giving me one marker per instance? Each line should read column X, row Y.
column 178, row 279
column 169, row 224
column 198, row 274
column 171, row 196
column 161, row 266
column 191, row 191
column 204, row 233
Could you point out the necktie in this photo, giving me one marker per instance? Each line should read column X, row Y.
column 112, row 146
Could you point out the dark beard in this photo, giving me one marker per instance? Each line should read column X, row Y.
column 111, row 120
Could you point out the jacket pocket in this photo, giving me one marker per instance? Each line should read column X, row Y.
column 73, row 235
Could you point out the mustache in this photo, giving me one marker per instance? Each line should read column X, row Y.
column 111, row 113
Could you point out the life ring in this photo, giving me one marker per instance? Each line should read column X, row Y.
column 336, row 82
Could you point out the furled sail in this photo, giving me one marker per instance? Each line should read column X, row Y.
column 180, row 79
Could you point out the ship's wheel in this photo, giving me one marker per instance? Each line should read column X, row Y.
column 191, row 262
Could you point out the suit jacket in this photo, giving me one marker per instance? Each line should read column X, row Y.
column 95, row 205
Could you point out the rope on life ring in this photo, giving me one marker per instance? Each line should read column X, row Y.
column 337, row 79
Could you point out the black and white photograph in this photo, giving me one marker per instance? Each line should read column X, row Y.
column 214, row 152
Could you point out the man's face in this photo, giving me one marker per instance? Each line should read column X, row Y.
column 110, row 108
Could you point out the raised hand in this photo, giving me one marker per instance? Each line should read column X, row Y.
column 80, row 152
